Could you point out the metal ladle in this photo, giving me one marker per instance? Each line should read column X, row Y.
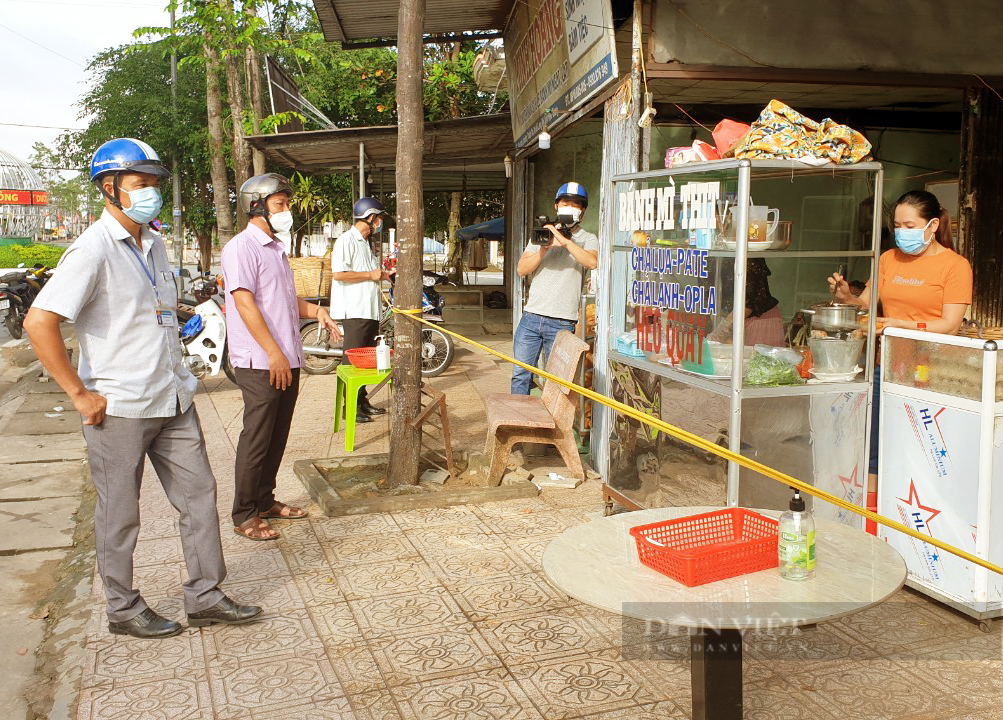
column 832, row 290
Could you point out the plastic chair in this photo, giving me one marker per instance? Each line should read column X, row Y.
column 514, row 419
column 346, row 396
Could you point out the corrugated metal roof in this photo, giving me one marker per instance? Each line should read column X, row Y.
column 343, row 20
column 472, row 148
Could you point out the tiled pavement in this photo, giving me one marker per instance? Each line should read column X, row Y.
column 445, row 615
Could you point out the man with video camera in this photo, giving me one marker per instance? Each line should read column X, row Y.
column 558, row 252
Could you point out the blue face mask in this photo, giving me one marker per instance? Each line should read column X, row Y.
column 146, row 204
column 912, row 240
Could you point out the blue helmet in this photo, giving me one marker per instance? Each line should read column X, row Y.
column 367, row 206
column 572, row 191
column 126, row 155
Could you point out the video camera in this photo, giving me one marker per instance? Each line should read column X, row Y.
column 542, row 236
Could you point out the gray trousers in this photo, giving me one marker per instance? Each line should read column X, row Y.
column 117, row 449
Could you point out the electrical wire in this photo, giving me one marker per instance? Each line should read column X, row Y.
column 43, row 127
column 42, row 46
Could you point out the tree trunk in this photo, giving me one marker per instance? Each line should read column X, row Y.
column 241, row 150
column 217, row 163
column 405, row 440
column 455, row 252
column 252, row 68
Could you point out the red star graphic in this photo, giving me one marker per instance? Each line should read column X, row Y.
column 913, row 495
column 849, row 483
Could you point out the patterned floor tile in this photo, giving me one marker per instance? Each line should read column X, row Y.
column 539, row 636
column 159, row 551
column 318, row 586
column 159, row 579
column 157, row 527
column 356, row 667
column 289, row 634
column 402, row 613
column 265, row 564
column 434, row 543
column 175, row 698
column 571, row 687
column 548, row 522
column 425, row 656
column 880, row 689
column 385, row 578
column 274, row 595
column 504, row 508
column 477, row 565
column 307, row 556
column 488, row 695
column 367, row 549
column 120, row 659
column 826, row 643
column 339, row 528
column 459, row 515
column 378, row 705
column 518, row 594
column 335, row 624
column 330, row 709
column 530, row 548
column 655, row 711
column 270, row 684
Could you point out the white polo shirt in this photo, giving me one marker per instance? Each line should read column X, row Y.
column 360, row 300
column 125, row 354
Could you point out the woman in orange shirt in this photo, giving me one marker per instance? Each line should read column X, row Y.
column 921, row 280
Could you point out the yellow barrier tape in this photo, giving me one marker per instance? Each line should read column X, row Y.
column 715, row 449
column 413, row 311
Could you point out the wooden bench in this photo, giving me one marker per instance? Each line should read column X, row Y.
column 514, row 419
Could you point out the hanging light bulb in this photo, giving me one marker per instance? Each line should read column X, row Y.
column 508, row 165
column 545, row 140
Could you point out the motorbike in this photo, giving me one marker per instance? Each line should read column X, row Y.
column 323, row 356
column 202, row 330
column 17, row 292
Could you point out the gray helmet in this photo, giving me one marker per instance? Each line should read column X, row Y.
column 258, row 189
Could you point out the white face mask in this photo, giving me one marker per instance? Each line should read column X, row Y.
column 282, row 222
column 575, row 213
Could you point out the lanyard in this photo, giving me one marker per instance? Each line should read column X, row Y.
column 149, row 273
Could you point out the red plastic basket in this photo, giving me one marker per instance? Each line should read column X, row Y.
column 711, row 546
column 364, row 358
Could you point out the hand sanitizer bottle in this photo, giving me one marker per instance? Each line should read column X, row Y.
column 382, row 355
column 797, row 541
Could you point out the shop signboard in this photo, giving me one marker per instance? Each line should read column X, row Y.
column 24, row 197
column 929, row 482
column 558, row 55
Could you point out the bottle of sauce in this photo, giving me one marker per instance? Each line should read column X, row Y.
column 921, row 376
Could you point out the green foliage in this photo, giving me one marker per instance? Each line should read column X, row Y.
column 13, row 255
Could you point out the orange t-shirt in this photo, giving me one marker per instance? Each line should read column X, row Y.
column 917, row 288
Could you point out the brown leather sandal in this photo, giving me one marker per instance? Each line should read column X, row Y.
column 255, row 529
column 281, row 511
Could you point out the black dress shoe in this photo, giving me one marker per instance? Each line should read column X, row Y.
column 226, row 611
column 147, row 625
column 371, row 410
column 360, row 417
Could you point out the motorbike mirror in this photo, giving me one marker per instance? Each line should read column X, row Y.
column 428, row 281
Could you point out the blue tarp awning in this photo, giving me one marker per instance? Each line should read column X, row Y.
column 490, row 230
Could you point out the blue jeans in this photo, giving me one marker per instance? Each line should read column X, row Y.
column 535, row 333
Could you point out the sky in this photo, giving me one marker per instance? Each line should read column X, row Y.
column 45, row 46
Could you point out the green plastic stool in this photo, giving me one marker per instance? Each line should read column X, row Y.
column 350, row 379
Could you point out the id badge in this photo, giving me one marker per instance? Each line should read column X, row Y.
column 166, row 317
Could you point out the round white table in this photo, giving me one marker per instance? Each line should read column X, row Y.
column 597, row 563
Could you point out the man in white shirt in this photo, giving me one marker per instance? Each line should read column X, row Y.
column 355, row 288
column 133, row 391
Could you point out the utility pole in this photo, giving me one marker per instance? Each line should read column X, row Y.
column 179, row 242
column 405, row 439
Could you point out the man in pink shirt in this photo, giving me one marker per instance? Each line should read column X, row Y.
column 265, row 348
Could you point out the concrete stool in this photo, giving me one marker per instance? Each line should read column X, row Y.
column 346, row 396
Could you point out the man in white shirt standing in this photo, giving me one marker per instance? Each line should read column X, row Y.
column 133, row 391
column 355, row 287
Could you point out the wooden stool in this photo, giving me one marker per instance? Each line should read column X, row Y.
column 436, row 402
column 346, row 396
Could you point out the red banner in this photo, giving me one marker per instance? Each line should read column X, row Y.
column 24, row 197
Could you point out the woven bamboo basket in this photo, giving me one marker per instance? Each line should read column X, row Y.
column 311, row 275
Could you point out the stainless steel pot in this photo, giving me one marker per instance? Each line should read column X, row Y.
column 834, row 317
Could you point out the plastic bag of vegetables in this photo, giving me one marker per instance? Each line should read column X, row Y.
column 774, row 366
